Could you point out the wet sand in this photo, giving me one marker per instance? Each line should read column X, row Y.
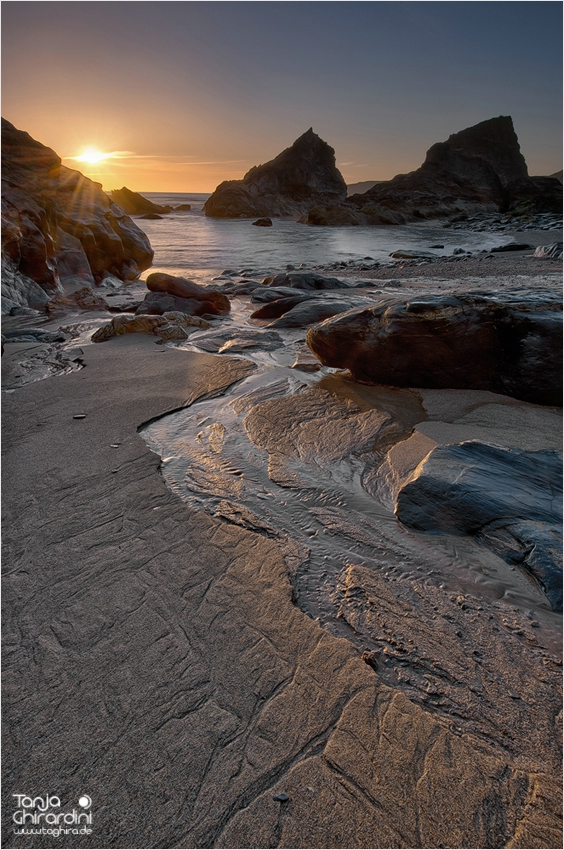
column 163, row 661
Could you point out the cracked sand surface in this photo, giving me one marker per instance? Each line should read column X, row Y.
column 153, row 657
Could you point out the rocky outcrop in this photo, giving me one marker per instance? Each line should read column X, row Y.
column 173, row 325
column 58, row 227
column 135, row 204
column 509, row 499
column 263, row 222
column 480, row 169
column 168, row 293
column 302, row 176
column 307, row 280
column 507, row 343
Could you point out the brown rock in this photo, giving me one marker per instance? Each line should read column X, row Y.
column 508, row 343
column 180, row 287
column 58, row 224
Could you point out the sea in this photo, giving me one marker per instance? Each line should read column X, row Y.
column 190, row 242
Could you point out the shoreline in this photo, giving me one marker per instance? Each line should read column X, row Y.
column 164, row 665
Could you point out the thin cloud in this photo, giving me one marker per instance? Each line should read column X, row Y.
column 174, row 158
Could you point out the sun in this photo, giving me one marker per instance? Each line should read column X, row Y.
column 92, row 156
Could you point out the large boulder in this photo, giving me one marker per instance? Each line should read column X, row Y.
column 135, row 204
column 59, row 225
column 302, row 176
column 507, row 343
column 167, row 293
column 510, row 499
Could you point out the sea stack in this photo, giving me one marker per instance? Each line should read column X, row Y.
column 135, row 204
column 59, row 229
column 478, row 170
column 302, row 176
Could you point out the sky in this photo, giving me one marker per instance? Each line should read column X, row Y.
column 183, row 95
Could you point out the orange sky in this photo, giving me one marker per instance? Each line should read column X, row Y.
column 157, row 173
column 187, row 94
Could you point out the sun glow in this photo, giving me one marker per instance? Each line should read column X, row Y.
column 92, row 156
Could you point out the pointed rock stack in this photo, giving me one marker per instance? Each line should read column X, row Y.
column 302, row 176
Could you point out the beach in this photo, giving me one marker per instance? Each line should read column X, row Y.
column 169, row 658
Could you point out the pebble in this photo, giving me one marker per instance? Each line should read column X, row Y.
column 281, row 798
column 79, row 416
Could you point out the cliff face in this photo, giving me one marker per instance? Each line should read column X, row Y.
column 299, row 178
column 480, row 169
column 58, row 227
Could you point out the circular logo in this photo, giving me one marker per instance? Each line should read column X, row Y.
column 85, row 801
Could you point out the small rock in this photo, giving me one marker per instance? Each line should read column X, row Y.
column 79, row 416
column 548, row 252
column 513, row 246
column 281, row 798
column 263, row 222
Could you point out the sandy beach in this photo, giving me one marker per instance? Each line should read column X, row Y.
column 156, row 656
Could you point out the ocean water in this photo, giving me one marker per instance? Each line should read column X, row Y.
column 189, row 242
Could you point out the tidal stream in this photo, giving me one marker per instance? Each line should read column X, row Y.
column 294, row 455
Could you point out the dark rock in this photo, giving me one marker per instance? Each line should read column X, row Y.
column 281, row 798
column 277, row 308
column 344, row 214
column 480, row 169
column 186, row 289
column 510, row 499
column 158, row 303
column 302, row 176
column 135, row 204
column 333, row 214
column 183, row 207
column 35, row 334
column 513, row 246
column 549, row 252
column 436, row 246
column 413, row 255
column 151, row 216
column 58, row 224
column 266, row 294
column 507, row 343
column 534, row 196
column 313, row 310
column 363, row 186
column 468, row 172
column 263, row 222
column 18, row 290
column 306, row 280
